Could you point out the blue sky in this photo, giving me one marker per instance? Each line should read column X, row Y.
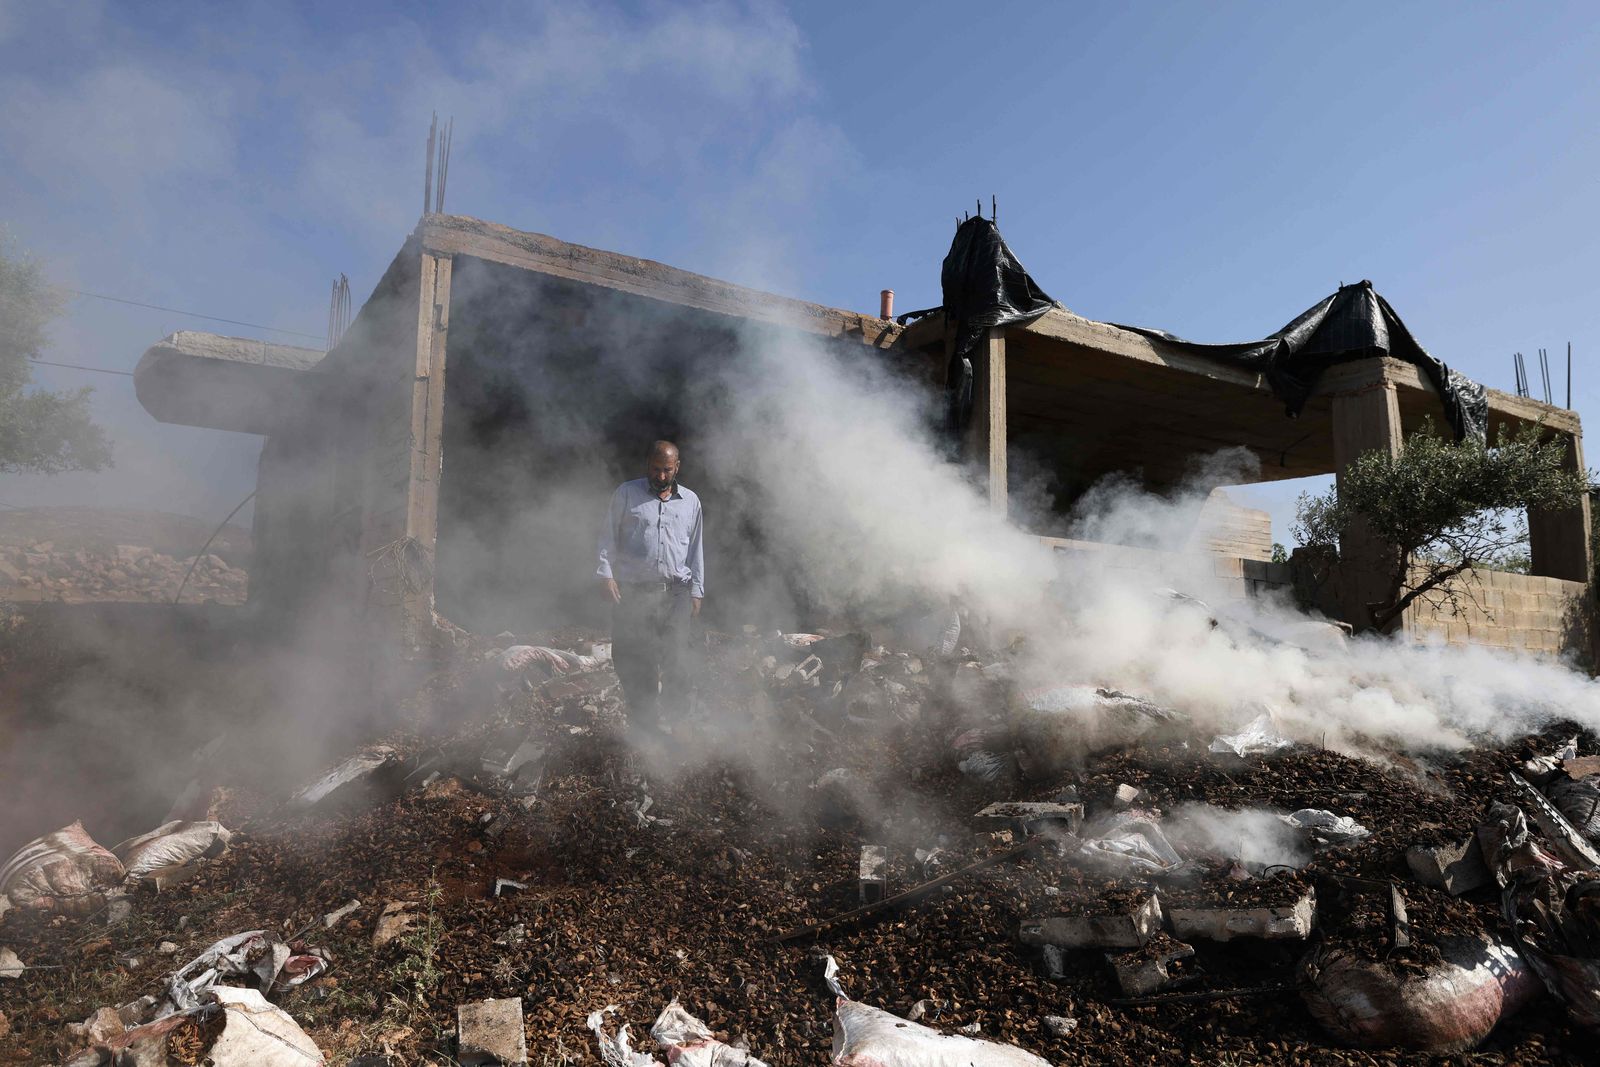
column 1211, row 170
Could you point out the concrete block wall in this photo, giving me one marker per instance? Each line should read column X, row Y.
column 1226, row 529
column 1544, row 616
column 1239, row 578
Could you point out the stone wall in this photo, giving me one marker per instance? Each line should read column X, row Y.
column 1546, row 616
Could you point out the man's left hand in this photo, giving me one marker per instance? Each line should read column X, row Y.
column 694, row 609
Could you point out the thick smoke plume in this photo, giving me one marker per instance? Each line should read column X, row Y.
column 861, row 504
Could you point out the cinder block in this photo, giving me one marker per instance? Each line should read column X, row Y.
column 1125, row 930
column 1029, row 816
column 1290, row 922
column 873, row 873
column 1455, row 868
column 490, row 1032
column 1141, row 973
column 1228, row 568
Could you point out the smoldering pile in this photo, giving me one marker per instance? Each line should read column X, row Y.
column 1067, row 871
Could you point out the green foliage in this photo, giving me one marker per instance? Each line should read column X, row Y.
column 1279, row 553
column 41, row 431
column 1447, row 507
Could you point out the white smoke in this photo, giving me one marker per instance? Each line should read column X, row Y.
column 862, row 505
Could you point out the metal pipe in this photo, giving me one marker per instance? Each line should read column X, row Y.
column 886, row 304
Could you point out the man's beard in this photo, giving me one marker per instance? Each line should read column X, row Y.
column 663, row 486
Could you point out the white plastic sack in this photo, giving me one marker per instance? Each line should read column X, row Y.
column 689, row 1042
column 169, row 849
column 254, row 1033
column 865, row 1036
column 1132, row 844
column 1325, row 826
column 358, row 767
column 260, row 1034
column 556, row 660
column 1059, row 725
column 230, row 958
column 616, row 1051
column 62, row 871
column 1259, row 738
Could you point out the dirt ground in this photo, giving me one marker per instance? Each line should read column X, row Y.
column 687, row 897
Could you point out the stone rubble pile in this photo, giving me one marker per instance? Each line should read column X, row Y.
column 41, row 571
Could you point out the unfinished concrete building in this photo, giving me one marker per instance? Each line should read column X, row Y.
column 406, row 471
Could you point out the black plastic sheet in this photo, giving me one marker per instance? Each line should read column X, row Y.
column 1353, row 323
column 984, row 286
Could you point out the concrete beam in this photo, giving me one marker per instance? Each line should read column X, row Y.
column 450, row 235
column 223, row 383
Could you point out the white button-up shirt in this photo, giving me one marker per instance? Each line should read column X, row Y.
column 648, row 539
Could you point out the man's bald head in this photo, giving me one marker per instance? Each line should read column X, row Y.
column 661, row 466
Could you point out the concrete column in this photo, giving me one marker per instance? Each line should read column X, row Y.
column 427, row 417
column 986, row 436
column 1558, row 541
column 1366, row 418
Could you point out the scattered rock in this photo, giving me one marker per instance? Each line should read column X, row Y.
column 100, row 1027
column 1059, row 1025
column 396, row 920
column 490, row 1032
column 119, row 909
column 330, row 920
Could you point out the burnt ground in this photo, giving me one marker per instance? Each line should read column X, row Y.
column 623, row 910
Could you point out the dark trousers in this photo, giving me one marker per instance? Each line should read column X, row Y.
column 650, row 649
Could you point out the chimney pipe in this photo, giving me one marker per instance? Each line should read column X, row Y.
column 886, row 304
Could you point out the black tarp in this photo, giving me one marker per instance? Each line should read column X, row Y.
column 1353, row 323
column 984, row 286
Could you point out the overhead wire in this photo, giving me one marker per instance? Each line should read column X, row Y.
column 77, row 366
column 191, row 314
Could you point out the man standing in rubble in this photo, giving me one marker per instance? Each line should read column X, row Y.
column 652, row 569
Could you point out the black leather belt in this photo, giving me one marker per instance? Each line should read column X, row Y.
column 661, row 586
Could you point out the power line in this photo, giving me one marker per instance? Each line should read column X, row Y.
column 75, row 366
column 193, row 314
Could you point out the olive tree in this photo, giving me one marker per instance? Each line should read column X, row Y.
column 1445, row 507
column 41, row 431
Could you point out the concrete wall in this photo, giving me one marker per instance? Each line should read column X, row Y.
column 1226, row 529
column 334, row 482
column 1239, row 578
column 1545, row 616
